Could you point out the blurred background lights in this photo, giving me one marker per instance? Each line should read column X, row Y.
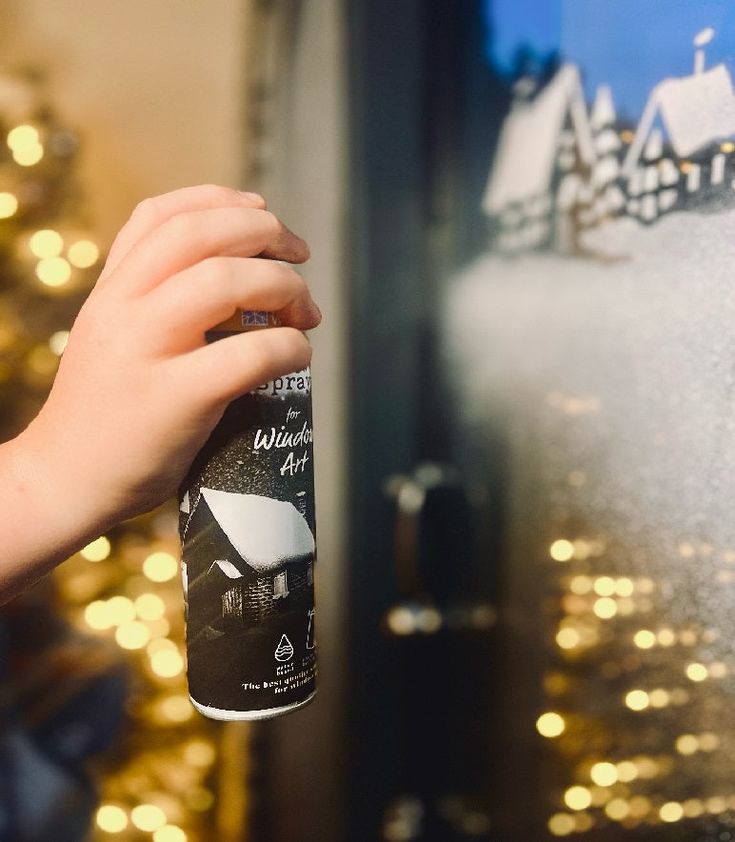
column 562, row 824
column 120, row 610
column 53, row 271
column 167, row 663
column 83, row 254
column 644, row 639
column 696, row 672
column 169, row 833
column 150, row 606
column 672, row 811
column 199, row 753
column 561, row 550
column 687, row 744
column 132, row 635
column 637, row 700
column 617, row 809
column 23, row 136
column 160, row 566
column 568, row 638
column 96, row 550
column 177, row 708
column 147, row 817
column 111, row 818
column 8, row 205
column 604, row 586
column 46, row 243
column 627, row 771
column 605, row 608
column 604, row 774
column 96, row 615
column 550, row 724
column 577, row 798
column 57, row 342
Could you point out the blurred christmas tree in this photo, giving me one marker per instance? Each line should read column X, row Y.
column 112, row 616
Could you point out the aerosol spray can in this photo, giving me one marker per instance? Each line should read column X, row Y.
column 248, row 549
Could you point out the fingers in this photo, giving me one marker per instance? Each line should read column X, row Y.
column 151, row 213
column 187, row 238
column 216, row 374
column 191, row 302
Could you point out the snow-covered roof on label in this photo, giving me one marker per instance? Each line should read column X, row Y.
column 527, row 147
column 266, row 533
column 695, row 110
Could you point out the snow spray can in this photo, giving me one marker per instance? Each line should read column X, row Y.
column 247, row 529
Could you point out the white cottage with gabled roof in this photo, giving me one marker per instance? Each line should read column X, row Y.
column 541, row 140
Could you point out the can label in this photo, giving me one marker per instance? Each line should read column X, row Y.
column 248, row 536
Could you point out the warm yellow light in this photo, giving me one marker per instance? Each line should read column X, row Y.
column 147, row 817
column 167, row 663
column 605, row 608
column 567, row 638
column 561, row 550
column 57, row 342
column 604, row 586
column 8, row 205
column 727, row 146
column 709, row 741
column 550, row 724
column 150, row 606
column 671, row 811
column 96, row 615
column 692, row 808
column 163, row 644
column 98, row 550
column 580, row 585
column 717, row 669
column 111, row 819
column 120, row 610
column 627, row 136
column 578, row 798
column 562, row 824
column 169, row 833
column 716, row 804
column 696, row 672
column 29, row 155
column 53, row 271
column 83, row 254
column 23, row 135
column 666, row 637
column 647, row 767
column 46, row 243
column 637, row 700
column 177, row 708
column 160, row 567
column 639, row 806
column 200, row 753
column 617, row 809
column 132, row 635
column 659, row 698
column 604, row 774
column 624, row 586
column 627, row 771
column 644, row 639
column 200, row 799
column 687, row 744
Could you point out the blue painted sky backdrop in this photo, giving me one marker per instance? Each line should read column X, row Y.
column 629, row 44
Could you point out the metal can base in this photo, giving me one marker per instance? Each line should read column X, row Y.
column 248, row 715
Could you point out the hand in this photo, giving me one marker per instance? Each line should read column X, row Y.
column 138, row 390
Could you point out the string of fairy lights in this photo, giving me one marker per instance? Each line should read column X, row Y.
column 121, row 589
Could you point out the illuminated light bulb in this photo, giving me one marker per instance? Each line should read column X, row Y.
column 696, row 672
column 96, row 615
column 666, row 637
column 167, row 664
column 46, row 243
column 715, row 805
column 617, row 809
column 160, row 567
column 605, row 608
column 132, row 635
column 627, row 771
column 568, row 638
column 150, row 606
column 53, row 271
column 27, row 156
column 717, row 669
column 709, row 741
column 644, row 639
column 604, row 586
column 577, row 798
column 120, row 610
column 561, row 824
column 659, row 698
column 624, row 586
column 177, row 708
column 200, row 753
column 687, row 744
column 97, row 550
column 169, row 833
column 692, row 808
column 111, row 818
column 604, row 774
column 147, row 817
column 561, row 550
column 637, row 700
column 550, row 725
column 83, row 254
column 8, row 205
column 580, row 585
column 57, row 342
column 23, row 135
column 671, row 811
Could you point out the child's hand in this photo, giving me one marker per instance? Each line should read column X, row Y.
column 138, row 390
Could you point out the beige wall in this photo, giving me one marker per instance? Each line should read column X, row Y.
column 153, row 86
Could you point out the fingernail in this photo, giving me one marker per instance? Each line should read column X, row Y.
column 253, row 197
